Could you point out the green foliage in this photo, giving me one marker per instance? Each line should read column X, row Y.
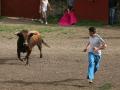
column 54, row 19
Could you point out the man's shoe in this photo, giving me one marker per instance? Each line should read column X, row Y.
column 46, row 23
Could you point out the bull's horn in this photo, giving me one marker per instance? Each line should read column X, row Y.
column 16, row 33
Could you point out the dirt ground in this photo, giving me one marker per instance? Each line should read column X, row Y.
column 63, row 66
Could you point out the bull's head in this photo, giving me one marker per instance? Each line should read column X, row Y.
column 23, row 37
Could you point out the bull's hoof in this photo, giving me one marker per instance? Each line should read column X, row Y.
column 21, row 59
column 41, row 56
column 24, row 59
column 27, row 64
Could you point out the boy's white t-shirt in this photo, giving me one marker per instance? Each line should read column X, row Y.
column 95, row 41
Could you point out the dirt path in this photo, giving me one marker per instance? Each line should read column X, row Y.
column 64, row 65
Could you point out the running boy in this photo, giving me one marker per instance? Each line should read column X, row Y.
column 94, row 47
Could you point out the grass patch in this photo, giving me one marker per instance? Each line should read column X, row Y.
column 12, row 28
column 8, row 30
column 41, row 28
column 90, row 23
column 106, row 86
column 2, row 17
column 46, row 30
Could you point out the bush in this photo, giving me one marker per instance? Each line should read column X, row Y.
column 54, row 19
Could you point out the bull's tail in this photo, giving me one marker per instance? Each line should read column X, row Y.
column 45, row 43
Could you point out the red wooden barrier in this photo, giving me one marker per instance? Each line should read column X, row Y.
column 85, row 9
column 92, row 10
column 20, row 8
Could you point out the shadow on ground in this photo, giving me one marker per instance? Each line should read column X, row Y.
column 66, row 82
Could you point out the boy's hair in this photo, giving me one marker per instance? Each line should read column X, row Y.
column 92, row 29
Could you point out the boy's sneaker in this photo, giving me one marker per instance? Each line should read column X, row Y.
column 90, row 81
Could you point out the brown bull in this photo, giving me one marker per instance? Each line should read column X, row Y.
column 26, row 41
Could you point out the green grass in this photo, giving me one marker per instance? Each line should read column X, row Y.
column 40, row 28
column 90, row 23
column 2, row 17
column 10, row 29
column 106, row 86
